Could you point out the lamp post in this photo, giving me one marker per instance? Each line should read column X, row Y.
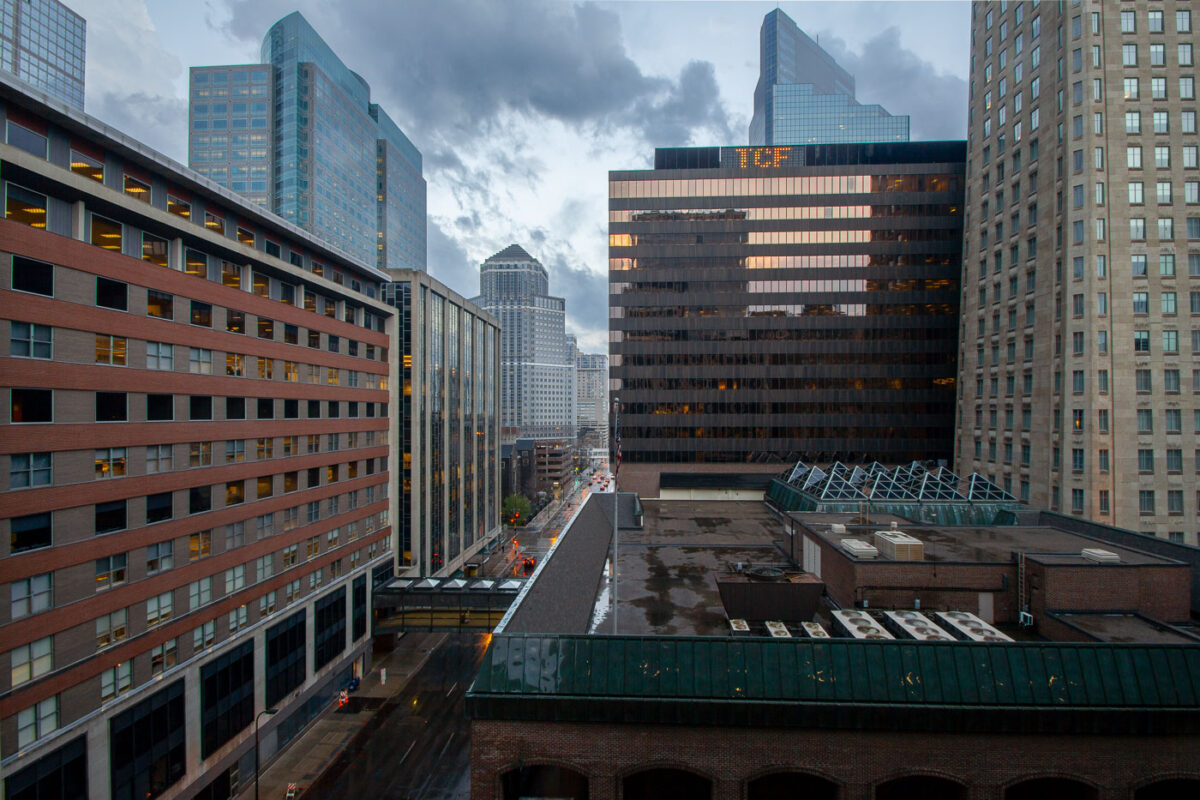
column 268, row 712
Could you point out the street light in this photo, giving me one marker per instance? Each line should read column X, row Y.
column 268, row 712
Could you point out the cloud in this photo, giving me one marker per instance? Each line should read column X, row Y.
column 456, row 66
column 887, row 73
column 449, row 262
column 134, row 92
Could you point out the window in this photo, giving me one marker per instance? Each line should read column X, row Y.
column 29, row 469
column 29, row 340
column 32, row 660
column 159, row 608
column 40, row 719
column 159, row 507
column 110, row 571
column 160, row 304
column 1168, row 302
column 1185, row 55
column 154, row 249
column 1161, row 122
column 160, row 458
column 201, row 314
column 111, row 628
column 1158, row 91
column 1187, row 88
column 1128, row 53
column 86, row 166
column 199, row 407
column 110, row 516
column 111, row 407
column 1131, row 88
column 1137, row 229
column 1170, row 341
column 1141, row 303
column 28, row 208
column 160, row 557
column 163, row 656
column 160, row 356
column 112, row 294
column 110, row 350
column 106, row 233
column 199, row 499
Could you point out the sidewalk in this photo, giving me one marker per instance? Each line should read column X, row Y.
column 307, row 756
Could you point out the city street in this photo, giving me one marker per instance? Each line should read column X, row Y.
column 418, row 747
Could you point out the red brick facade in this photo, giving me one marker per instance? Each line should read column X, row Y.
column 857, row 761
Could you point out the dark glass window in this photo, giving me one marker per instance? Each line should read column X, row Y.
column 110, row 407
column 334, row 407
column 226, row 697
column 286, row 657
column 160, row 407
column 147, row 745
column 25, row 139
column 314, row 409
column 199, row 499
column 160, row 304
column 59, row 775
column 314, row 476
column 29, row 532
column 291, row 334
column 32, row 405
column 272, row 248
column 159, row 507
column 235, row 408
column 112, row 294
column 266, row 408
column 110, row 516
column 200, row 407
column 291, row 409
column 329, row 632
column 32, row 276
column 358, row 609
column 202, row 314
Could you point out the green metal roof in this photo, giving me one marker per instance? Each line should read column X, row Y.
column 841, row 683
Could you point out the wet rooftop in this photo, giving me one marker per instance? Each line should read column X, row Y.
column 1128, row 628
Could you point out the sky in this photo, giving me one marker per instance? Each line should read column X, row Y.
column 521, row 107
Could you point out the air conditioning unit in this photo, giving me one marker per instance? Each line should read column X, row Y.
column 1100, row 556
column 858, row 625
column 814, row 630
column 968, row 627
column 899, row 546
column 915, row 625
column 859, row 549
column 777, row 629
column 838, row 528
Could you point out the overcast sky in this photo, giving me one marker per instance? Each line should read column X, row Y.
column 520, row 107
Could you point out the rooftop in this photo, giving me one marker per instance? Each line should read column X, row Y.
column 982, row 544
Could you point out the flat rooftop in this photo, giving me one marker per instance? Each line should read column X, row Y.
column 981, row 544
column 1127, row 628
column 668, row 570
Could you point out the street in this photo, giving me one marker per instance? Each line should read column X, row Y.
column 418, row 746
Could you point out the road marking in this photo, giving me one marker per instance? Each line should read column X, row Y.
column 446, row 746
column 452, row 688
column 406, row 752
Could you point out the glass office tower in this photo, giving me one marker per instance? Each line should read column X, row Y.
column 42, row 43
column 784, row 303
column 337, row 165
column 803, row 96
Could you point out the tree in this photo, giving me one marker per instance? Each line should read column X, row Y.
column 517, row 511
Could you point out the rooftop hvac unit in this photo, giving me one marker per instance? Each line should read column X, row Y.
column 838, row 528
column 966, row 626
column 1100, row 556
column 858, row 625
column 814, row 630
column 915, row 625
column 899, row 546
column 739, row 626
column 777, row 629
column 859, row 549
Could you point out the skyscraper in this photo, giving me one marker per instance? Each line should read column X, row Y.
column 1079, row 384
column 42, row 42
column 803, row 96
column 772, row 304
column 591, row 396
column 299, row 135
column 537, row 388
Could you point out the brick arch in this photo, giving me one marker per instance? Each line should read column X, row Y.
column 833, row 788
column 805, row 770
column 1166, row 777
column 510, row 782
column 917, row 775
column 1050, row 775
column 663, row 764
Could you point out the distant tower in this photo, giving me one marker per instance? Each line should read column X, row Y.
column 537, row 393
column 298, row 134
column 804, row 97
column 42, row 43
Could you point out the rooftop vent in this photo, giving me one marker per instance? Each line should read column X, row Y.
column 1100, row 556
column 838, row 528
column 859, row 549
column 777, row 629
column 914, row 625
column 968, row 627
column 899, row 546
column 814, row 630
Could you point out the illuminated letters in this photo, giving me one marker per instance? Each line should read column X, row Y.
column 761, row 156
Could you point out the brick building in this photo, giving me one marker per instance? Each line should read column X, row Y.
column 1098, row 700
column 198, row 420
